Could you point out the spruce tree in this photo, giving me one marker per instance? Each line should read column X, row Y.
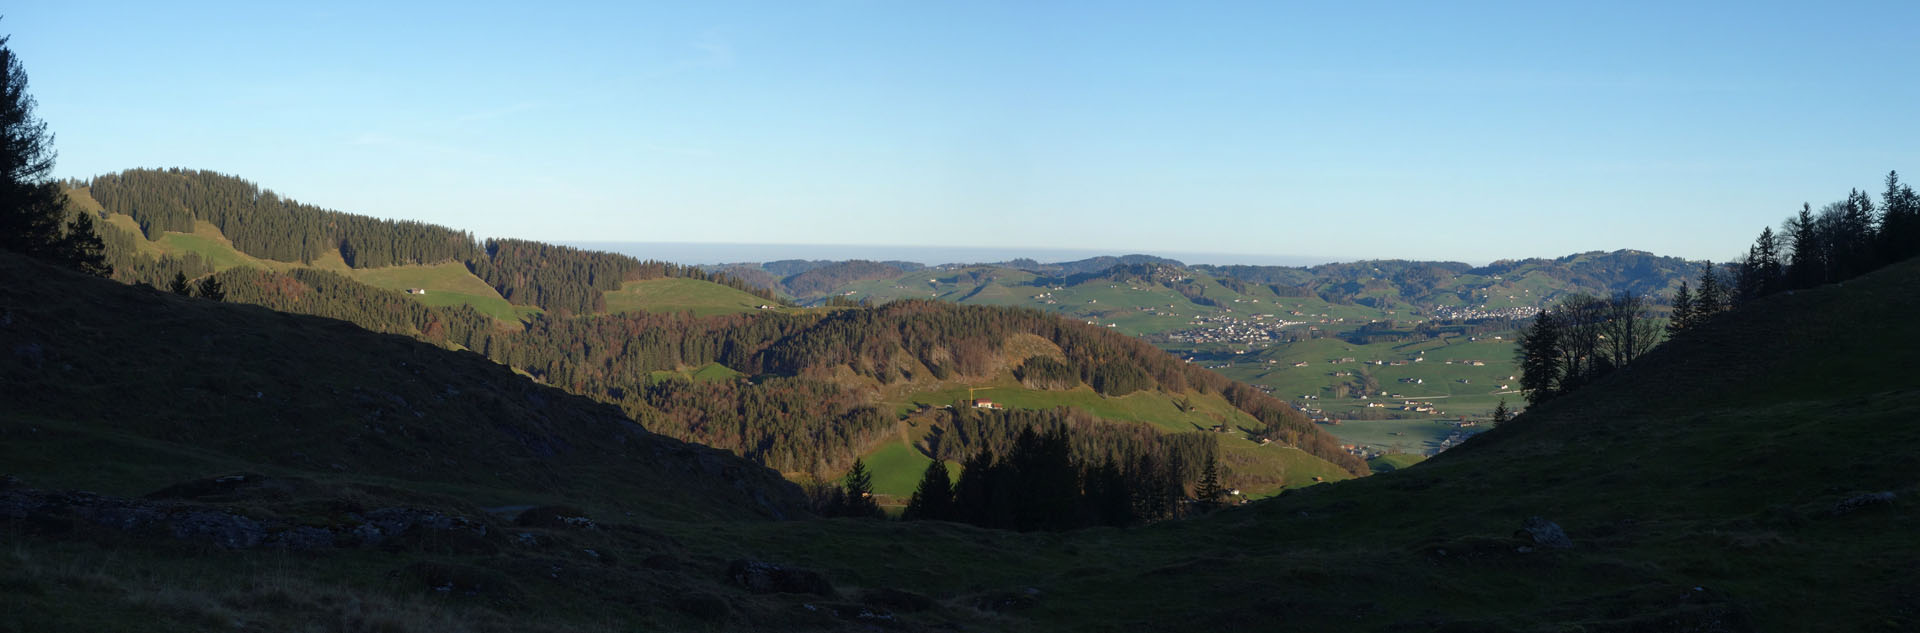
column 859, row 484
column 1682, row 311
column 1501, row 414
column 1539, row 358
column 1710, row 298
column 1806, row 267
column 83, row 249
column 1899, row 221
column 31, row 203
column 1209, row 493
column 179, row 285
column 973, row 494
column 933, row 500
column 210, row 289
column 1761, row 274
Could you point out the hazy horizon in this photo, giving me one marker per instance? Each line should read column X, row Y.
column 711, row 253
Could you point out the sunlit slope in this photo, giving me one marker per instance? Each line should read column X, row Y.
column 702, row 298
column 443, row 284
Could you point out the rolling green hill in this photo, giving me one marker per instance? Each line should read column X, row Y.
column 445, row 283
column 1254, row 323
column 159, row 223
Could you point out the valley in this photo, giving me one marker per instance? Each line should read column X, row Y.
column 1387, row 368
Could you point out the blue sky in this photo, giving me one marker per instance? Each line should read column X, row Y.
column 1420, row 130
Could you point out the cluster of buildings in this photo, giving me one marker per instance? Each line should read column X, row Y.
column 1463, row 313
column 1226, row 328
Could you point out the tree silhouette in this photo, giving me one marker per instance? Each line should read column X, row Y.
column 1208, row 493
column 1711, row 297
column 933, row 499
column 859, row 501
column 210, row 288
column 83, row 249
column 31, row 204
column 1539, row 358
column 1682, row 311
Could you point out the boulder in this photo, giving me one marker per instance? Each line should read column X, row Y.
column 1543, row 533
column 1860, row 502
column 762, row 577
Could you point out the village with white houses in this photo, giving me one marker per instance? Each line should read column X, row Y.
column 1254, row 329
column 1466, row 313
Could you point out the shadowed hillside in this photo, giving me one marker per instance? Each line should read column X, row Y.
column 125, row 389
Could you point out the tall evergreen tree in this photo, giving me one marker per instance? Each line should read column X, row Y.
column 1856, row 238
column 973, row 494
column 210, row 288
column 1539, row 358
column 1806, row 266
column 1682, row 311
column 32, row 205
column 1501, row 414
column 859, row 500
column 1761, row 273
column 1711, row 297
column 83, row 249
column 1108, row 499
column 179, row 285
column 1049, row 484
column 1208, row 494
column 1899, row 221
column 933, row 499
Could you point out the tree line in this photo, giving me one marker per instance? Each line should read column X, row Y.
column 1060, row 470
column 261, row 223
column 1584, row 338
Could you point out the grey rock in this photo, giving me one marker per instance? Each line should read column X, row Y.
column 222, row 529
column 896, row 599
column 301, row 539
column 1544, row 533
column 763, row 577
column 1860, row 502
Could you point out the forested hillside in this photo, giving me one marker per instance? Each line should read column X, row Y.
column 261, row 224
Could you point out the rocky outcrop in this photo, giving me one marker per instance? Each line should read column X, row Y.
column 1543, row 533
column 763, row 577
column 60, row 512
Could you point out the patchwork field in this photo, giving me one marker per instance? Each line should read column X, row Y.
column 702, row 298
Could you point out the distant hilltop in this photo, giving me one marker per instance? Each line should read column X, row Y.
column 706, row 254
